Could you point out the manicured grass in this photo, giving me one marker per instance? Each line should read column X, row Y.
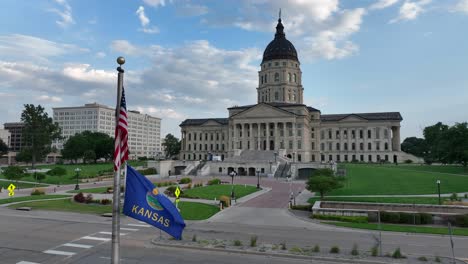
column 91, row 190
column 21, row 185
column 452, row 169
column 87, row 171
column 197, row 211
column 66, row 205
column 404, row 228
column 403, row 200
column 215, row 191
column 31, row 198
column 374, row 179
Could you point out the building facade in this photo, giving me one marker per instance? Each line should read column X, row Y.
column 144, row 131
column 280, row 122
column 16, row 135
column 5, row 136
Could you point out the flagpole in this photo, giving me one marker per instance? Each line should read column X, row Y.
column 115, row 257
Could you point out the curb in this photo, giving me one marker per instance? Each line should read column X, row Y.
column 280, row 255
column 39, row 200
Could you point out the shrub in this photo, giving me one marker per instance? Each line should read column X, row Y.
column 461, row 220
column 454, row 197
column 40, row 176
column 185, row 180
column 397, row 254
column 171, row 190
column 283, row 245
column 426, row 219
column 225, row 200
column 355, row 250
column 253, row 241
column 335, row 250
column 38, row 191
column 316, row 249
column 189, row 186
column 437, row 259
column 422, row 258
column 57, row 171
column 148, row 171
column 296, row 250
column 237, row 243
column 390, row 217
column 105, row 201
column 214, row 181
column 200, row 184
column 109, row 190
column 302, row 207
column 374, row 251
column 352, row 219
column 194, row 238
column 79, row 198
column 408, row 161
column 89, row 198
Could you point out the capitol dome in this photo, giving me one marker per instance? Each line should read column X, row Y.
column 280, row 47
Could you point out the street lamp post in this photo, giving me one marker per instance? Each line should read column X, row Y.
column 232, row 174
column 438, row 189
column 77, row 171
column 258, row 179
column 276, row 154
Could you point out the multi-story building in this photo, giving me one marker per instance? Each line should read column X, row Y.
column 5, row 136
column 144, row 139
column 16, row 134
column 281, row 124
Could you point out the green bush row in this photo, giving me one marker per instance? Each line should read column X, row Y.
column 302, row 207
column 164, row 184
column 214, row 181
column 148, row 171
column 403, row 218
column 342, row 218
column 185, row 180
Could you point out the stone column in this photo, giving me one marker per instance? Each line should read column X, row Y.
column 251, row 137
column 242, row 139
column 396, row 138
column 276, row 137
column 258, row 136
column 267, row 147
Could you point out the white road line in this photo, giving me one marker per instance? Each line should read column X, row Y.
column 58, row 252
column 76, row 245
column 96, row 238
column 110, row 233
column 129, row 229
column 26, row 262
column 139, row 225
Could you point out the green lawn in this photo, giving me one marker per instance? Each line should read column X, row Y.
column 66, row 205
column 91, row 190
column 87, row 171
column 404, row 228
column 374, row 179
column 215, row 191
column 5, row 184
column 31, row 198
column 452, row 169
column 197, row 211
column 403, row 200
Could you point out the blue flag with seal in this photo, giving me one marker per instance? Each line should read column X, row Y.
column 143, row 202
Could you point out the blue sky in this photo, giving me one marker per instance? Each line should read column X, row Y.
column 193, row 59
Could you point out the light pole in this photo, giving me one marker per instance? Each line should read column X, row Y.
column 438, row 189
column 77, row 171
column 232, row 174
column 258, row 179
column 275, row 154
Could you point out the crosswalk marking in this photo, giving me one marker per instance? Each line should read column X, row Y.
column 140, row 225
column 58, row 252
column 110, row 233
column 26, row 262
column 96, row 238
column 129, row 229
column 76, row 245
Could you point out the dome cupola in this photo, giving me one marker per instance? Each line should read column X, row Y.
column 280, row 47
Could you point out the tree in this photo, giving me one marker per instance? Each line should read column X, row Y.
column 3, row 148
column 57, row 171
column 39, row 131
column 457, row 137
column 40, row 176
column 13, row 173
column 437, row 142
column 323, row 181
column 89, row 146
column 89, row 155
column 415, row 146
column 172, row 145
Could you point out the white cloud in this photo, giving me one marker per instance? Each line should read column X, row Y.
column 410, row 10
column 100, row 54
column 65, row 14
column 191, row 10
column 462, row 6
column 83, row 72
column 155, row 3
column 49, row 99
column 125, row 47
column 381, row 4
column 145, row 22
column 24, row 47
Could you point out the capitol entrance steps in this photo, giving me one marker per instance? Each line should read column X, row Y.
column 283, row 170
column 257, row 156
column 194, row 171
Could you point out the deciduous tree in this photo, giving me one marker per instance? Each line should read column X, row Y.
column 172, row 145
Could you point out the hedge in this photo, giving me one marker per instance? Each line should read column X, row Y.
column 148, row 171
column 404, row 218
column 342, row 218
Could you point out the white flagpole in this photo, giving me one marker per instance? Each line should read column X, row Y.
column 115, row 257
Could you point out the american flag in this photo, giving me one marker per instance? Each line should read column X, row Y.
column 121, row 135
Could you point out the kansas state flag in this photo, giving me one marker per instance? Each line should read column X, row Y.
column 143, row 202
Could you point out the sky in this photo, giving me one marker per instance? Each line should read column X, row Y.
column 194, row 59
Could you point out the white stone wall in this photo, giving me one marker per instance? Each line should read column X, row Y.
column 198, row 142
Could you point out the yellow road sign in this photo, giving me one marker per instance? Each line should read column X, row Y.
column 177, row 192
column 11, row 189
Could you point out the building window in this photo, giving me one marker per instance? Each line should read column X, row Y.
column 322, row 146
column 299, row 157
column 189, row 146
column 290, row 144
column 201, row 137
column 206, row 146
column 378, row 157
column 322, row 157
column 361, row 146
column 353, row 134
column 330, row 157
column 329, row 134
column 377, row 145
column 354, row 158
column 200, row 147
column 362, row 157
column 299, row 144
column 337, row 157
column 386, row 146
column 295, row 78
column 299, row 132
column 276, row 77
column 322, row 134
column 385, row 133
column 345, row 146
column 222, row 146
column 188, row 157
column 313, row 145
column 353, row 146
column 369, row 146
column 276, row 96
column 370, row 158
column 220, row 170
column 346, row 157
column 361, row 134
column 276, row 63
column 337, row 146
column 345, row 134
column 289, row 77
column 261, row 79
column 189, row 136
column 377, row 133
column 369, row 133
column 386, row 157
column 313, row 158
column 330, row 146
column 337, row 134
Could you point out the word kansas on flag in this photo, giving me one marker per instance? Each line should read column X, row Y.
column 143, row 202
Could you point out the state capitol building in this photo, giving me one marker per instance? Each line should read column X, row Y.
column 282, row 127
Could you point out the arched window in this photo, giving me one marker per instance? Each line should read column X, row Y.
column 276, row 77
column 295, row 78
column 289, row 77
column 276, row 96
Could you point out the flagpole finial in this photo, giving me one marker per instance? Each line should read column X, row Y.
column 279, row 15
column 121, row 60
